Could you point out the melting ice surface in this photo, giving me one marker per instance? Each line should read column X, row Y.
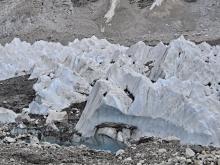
column 97, row 142
column 163, row 90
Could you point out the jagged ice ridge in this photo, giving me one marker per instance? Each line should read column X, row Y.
column 163, row 90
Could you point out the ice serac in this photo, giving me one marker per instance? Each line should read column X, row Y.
column 7, row 116
column 160, row 91
column 65, row 73
column 156, row 3
column 183, row 100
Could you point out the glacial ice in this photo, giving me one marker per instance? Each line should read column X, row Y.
column 56, row 116
column 163, row 91
column 7, row 116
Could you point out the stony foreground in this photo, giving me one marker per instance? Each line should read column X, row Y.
column 149, row 151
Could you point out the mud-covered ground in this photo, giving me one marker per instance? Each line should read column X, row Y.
column 64, row 20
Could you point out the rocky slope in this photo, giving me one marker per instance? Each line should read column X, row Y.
column 65, row 20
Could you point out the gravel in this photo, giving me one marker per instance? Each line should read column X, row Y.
column 144, row 153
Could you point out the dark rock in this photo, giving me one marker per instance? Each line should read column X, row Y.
column 197, row 148
column 190, row 0
column 17, row 93
column 117, row 126
column 145, row 140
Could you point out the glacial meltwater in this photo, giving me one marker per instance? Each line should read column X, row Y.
column 97, row 142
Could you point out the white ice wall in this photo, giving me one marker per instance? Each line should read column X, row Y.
column 175, row 87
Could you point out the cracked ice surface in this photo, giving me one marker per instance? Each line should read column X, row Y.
column 163, row 90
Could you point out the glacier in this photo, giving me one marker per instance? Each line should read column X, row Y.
column 164, row 91
column 7, row 116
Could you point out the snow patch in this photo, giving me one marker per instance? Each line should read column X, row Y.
column 156, row 3
column 111, row 12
